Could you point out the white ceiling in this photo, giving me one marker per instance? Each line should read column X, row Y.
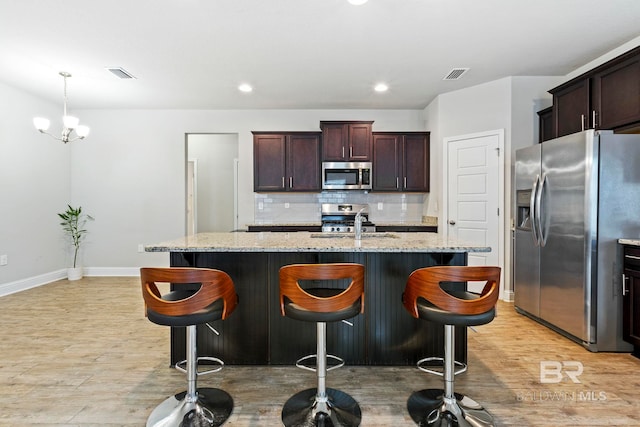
column 192, row 54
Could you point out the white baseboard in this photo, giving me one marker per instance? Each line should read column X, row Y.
column 31, row 282
column 508, row 296
column 43, row 279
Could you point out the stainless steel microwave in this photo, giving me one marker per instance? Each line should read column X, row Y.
column 346, row 175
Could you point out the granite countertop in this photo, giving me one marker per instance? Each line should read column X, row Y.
column 303, row 241
column 630, row 242
column 318, row 224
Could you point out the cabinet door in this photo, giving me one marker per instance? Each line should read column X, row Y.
column 617, row 95
column 631, row 308
column 269, row 162
column 303, row 163
column 571, row 108
column 359, row 142
column 386, row 162
column 416, row 163
column 631, row 296
column 334, row 137
column 545, row 124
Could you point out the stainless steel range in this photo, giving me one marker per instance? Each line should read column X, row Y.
column 340, row 218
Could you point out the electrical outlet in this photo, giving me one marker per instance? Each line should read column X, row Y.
column 4, row 259
column 286, row 205
column 260, row 205
column 140, row 247
column 380, row 206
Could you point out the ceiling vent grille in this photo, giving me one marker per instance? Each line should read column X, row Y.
column 455, row 74
column 121, row 72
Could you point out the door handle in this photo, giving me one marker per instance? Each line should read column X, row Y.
column 452, row 222
column 540, row 211
column 532, row 212
column 624, row 285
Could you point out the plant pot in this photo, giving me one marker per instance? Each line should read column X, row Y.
column 74, row 273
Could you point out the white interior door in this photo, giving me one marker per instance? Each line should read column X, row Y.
column 475, row 195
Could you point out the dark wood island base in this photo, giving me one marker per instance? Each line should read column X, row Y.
column 257, row 334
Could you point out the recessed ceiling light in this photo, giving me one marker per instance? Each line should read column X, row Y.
column 245, row 87
column 381, row 87
column 358, row 2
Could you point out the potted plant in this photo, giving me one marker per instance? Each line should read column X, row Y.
column 73, row 224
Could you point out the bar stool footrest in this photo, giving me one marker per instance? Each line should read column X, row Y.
column 181, row 366
column 299, row 362
column 462, row 366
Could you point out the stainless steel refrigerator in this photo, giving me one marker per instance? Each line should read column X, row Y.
column 575, row 197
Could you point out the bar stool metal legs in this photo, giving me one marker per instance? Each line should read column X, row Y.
column 194, row 407
column 321, row 406
column 437, row 407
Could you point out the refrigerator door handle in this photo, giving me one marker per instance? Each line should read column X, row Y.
column 542, row 237
column 541, row 210
column 532, row 211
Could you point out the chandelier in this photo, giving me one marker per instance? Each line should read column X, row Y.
column 70, row 123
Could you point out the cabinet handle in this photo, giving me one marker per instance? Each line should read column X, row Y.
column 593, row 115
column 405, row 182
column 290, row 182
column 350, row 152
column 343, row 151
column 283, row 182
column 632, row 257
column 582, row 121
column 624, row 285
column 397, row 182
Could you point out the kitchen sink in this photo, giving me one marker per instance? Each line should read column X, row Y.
column 352, row 235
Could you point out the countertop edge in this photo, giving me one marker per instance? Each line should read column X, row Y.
column 630, row 242
column 401, row 242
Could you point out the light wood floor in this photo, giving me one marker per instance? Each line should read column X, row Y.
column 82, row 353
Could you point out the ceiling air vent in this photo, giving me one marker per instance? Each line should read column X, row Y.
column 121, row 72
column 455, row 74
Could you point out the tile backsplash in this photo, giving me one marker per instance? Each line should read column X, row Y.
column 300, row 208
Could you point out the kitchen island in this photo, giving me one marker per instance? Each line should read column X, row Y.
column 257, row 334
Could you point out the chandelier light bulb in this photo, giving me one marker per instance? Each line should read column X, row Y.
column 70, row 122
column 82, row 131
column 41, row 123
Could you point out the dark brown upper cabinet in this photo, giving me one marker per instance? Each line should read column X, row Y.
column 616, row 95
column 606, row 97
column 545, row 124
column 346, row 141
column 401, row 161
column 286, row 161
column 571, row 107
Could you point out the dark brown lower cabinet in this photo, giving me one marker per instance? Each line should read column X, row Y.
column 631, row 298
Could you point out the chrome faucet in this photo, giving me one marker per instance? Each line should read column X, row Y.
column 358, row 224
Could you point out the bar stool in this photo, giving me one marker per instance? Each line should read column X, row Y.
column 425, row 299
column 215, row 299
column 321, row 405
